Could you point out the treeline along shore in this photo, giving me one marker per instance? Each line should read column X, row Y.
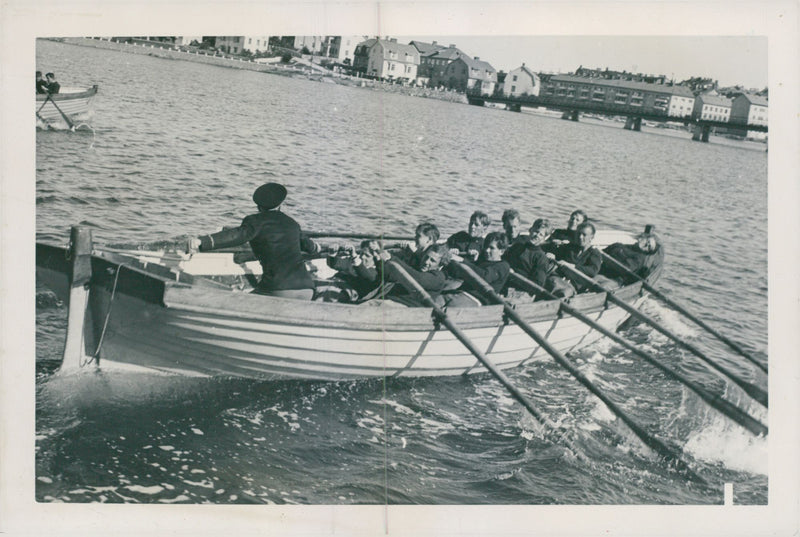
column 295, row 70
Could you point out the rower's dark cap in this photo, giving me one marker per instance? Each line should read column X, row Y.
column 269, row 195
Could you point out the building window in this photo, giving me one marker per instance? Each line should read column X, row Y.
column 571, row 91
column 621, row 97
column 636, row 98
column 661, row 102
column 598, row 94
column 584, row 93
column 514, row 80
column 513, row 88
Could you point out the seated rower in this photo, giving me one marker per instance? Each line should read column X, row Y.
column 563, row 236
column 356, row 278
column 528, row 258
column 428, row 273
column 582, row 256
column 642, row 259
column 490, row 267
column 512, row 226
column 469, row 243
column 426, row 235
column 277, row 242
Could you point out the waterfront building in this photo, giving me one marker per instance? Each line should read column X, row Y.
column 425, row 65
column 470, row 74
column 313, row 43
column 186, row 40
column 623, row 97
column 681, row 104
column 239, row 43
column 749, row 108
column 340, row 47
column 712, row 107
column 386, row 59
column 436, row 62
column 521, row 82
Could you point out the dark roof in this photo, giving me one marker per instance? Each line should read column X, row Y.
column 759, row 100
column 681, row 91
column 394, row 46
column 449, row 53
column 716, row 100
column 368, row 43
column 425, row 48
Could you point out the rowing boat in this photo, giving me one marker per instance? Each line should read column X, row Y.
column 192, row 315
column 69, row 106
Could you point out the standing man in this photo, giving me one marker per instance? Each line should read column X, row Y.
column 53, row 87
column 277, row 243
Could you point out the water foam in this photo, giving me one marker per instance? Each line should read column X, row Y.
column 735, row 448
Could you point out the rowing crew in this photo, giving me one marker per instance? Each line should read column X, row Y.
column 279, row 245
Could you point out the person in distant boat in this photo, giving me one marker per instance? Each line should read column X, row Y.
column 582, row 256
column 528, row 258
column 53, row 87
column 41, row 83
column 469, row 243
column 562, row 236
column 512, row 226
column 277, row 242
column 490, row 267
column 643, row 258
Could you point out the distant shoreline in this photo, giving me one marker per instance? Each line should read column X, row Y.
column 318, row 74
column 293, row 71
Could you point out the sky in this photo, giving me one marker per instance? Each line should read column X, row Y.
column 730, row 60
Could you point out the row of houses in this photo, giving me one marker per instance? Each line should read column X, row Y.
column 662, row 99
column 446, row 66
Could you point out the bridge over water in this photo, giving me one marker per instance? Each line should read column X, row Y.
column 635, row 115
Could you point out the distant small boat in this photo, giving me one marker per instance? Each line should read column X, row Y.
column 68, row 107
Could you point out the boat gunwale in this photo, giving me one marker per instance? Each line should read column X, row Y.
column 184, row 292
column 85, row 94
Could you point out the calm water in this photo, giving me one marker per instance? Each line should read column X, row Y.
column 176, row 148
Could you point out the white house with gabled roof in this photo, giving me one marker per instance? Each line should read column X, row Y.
column 522, row 82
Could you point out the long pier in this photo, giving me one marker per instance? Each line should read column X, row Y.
column 634, row 115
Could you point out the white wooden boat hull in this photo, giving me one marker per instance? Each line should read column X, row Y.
column 173, row 323
column 191, row 340
column 75, row 103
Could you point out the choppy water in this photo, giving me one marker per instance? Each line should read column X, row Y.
column 176, row 148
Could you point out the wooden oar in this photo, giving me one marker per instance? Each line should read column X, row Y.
column 727, row 408
column 413, row 287
column 63, row 115
column 362, row 236
column 649, row 440
column 751, row 389
column 655, row 292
